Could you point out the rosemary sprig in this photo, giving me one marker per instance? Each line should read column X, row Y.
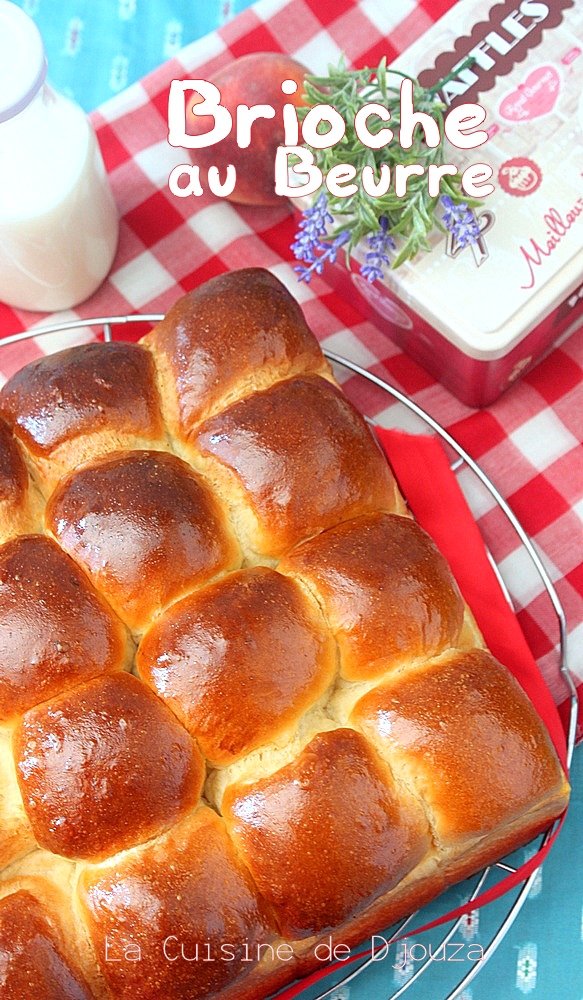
column 386, row 223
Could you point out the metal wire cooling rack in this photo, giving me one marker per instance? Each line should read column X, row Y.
column 461, row 460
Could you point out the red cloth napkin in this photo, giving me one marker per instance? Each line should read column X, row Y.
column 435, row 497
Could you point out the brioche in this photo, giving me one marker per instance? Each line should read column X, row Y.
column 103, row 767
column 55, row 629
column 142, row 516
column 388, row 594
column 236, row 334
column 243, row 707
column 77, row 404
column 211, row 654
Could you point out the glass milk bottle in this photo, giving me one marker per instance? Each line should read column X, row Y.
column 58, row 220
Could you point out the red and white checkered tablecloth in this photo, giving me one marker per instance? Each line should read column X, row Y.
column 529, row 441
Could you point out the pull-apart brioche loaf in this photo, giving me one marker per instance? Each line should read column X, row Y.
column 243, row 707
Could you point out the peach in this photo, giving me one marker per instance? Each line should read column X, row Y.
column 252, row 79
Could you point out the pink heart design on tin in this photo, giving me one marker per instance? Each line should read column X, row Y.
column 534, row 97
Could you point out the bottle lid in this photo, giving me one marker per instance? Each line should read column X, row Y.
column 23, row 64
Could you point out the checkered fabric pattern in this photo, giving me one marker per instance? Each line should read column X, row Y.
column 529, row 442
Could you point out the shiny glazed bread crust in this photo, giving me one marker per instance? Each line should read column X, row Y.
column 389, row 596
column 82, row 402
column 175, row 533
column 266, row 452
column 243, row 708
column 237, row 333
column 56, row 630
column 200, row 660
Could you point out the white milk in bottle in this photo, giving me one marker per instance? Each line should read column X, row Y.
column 58, row 220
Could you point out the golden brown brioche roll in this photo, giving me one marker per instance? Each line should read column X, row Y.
column 104, row 767
column 240, row 661
column 55, row 629
column 145, row 528
column 82, row 402
column 20, row 502
column 187, row 889
column 388, row 593
column 462, row 733
column 327, row 834
column 292, row 461
column 35, row 958
column 235, row 334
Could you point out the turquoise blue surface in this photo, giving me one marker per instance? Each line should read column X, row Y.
column 98, row 47
column 542, row 956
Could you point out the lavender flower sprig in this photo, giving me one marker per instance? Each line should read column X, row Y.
column 312, row 244
column 380, row 244
column 327, row 252
column 461, row 221
column 315, row 247
column 314, row 224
